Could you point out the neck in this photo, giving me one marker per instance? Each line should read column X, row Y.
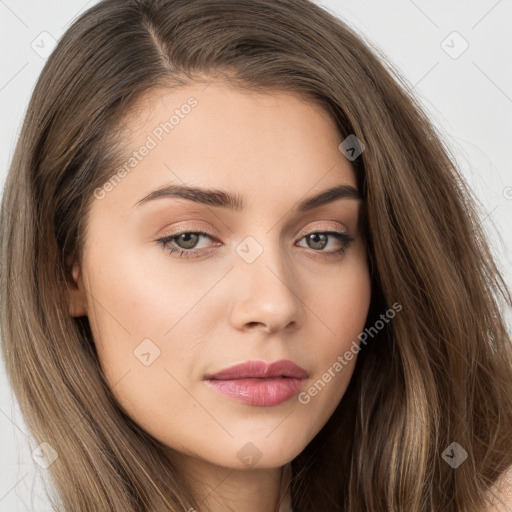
column 220, row 489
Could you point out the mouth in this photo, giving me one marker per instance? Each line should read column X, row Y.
column 260, row 370
column 258, row 383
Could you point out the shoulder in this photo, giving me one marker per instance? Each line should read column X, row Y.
column 501, row 494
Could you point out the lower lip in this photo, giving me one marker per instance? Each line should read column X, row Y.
column 261, row 392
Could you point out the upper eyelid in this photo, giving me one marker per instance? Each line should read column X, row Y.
column 195, row 229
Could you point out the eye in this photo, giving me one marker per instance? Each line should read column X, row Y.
column 185, row 244
column 185, row 241
column 318, row 240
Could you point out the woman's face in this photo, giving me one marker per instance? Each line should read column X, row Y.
column 267, row 283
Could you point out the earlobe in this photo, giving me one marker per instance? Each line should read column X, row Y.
column 75, row 290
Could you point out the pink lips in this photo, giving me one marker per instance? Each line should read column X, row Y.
column 259, row 383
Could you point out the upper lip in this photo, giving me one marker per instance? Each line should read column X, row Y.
column 260, row 370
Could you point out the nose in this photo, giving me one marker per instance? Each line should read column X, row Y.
column 266, row 293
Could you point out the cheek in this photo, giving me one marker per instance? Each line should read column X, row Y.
column 133, row 297
column 335, row 354
column 146, row 317
column 343, row 302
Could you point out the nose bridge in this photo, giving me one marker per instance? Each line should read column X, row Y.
column 266, row 285
column 261, row 255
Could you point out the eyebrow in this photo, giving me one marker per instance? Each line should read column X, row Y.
column 221, row 199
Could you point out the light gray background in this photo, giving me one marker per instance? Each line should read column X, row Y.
column 468, row 97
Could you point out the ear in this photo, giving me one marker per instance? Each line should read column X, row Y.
column 75, row 289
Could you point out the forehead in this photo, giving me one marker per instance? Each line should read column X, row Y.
column 213, row 135
column 218, row 107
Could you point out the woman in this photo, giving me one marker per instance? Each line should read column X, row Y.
column 245, row 274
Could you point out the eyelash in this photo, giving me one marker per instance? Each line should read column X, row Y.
column 344, row 238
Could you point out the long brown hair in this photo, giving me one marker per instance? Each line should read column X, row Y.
column 439, row 373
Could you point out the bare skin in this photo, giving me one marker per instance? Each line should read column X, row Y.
column 297, row 300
